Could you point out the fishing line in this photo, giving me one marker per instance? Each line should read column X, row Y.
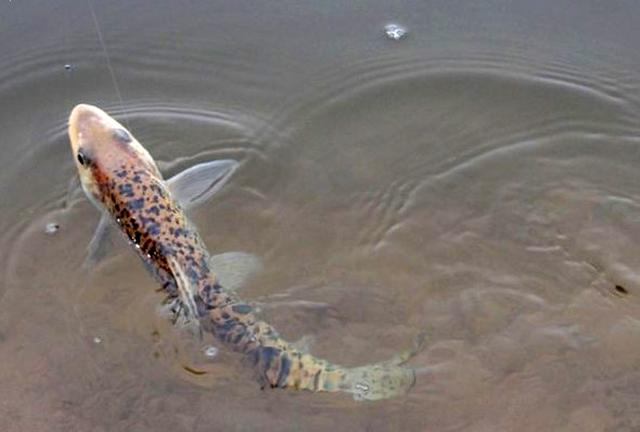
column 106, row 54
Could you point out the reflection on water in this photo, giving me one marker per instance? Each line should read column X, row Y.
column 476, row 180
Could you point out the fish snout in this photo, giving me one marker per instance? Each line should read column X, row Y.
column 83, row 121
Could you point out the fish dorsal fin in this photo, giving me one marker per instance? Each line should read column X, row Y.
column 198, row 183
column 191, row 187
column 234, row 268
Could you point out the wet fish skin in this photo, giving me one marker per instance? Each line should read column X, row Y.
column 121, row 178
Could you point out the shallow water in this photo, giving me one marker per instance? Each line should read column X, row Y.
column 476, row 179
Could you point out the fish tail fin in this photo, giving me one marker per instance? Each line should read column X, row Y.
column 379, row 381
column 386, row 379
column 370, row 382
column 278, row 366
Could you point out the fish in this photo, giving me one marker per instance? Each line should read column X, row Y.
column 123, row 181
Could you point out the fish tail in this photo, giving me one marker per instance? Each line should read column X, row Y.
column 280, row 367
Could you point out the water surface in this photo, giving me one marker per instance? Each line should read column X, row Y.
column 476, row 180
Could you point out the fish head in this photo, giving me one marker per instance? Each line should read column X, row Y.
column 102, row 148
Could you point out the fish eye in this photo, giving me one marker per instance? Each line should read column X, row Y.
column 122, row 135
column 82, row 159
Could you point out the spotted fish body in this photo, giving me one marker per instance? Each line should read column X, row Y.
column 122, row 179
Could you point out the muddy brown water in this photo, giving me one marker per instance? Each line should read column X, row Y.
column 477, row 180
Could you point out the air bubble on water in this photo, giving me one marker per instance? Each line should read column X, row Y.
column 97, row 340
column 210, row 351
column 360, row 391
column 362, row 387
column 51, row 228
column 395, row 31
column 68, row 67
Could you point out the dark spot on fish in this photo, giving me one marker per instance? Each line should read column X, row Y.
column 152, row 251
column 170, row 287
column 267, row 354
column 621, row 289
column 154, row 210
column 201, row 307
column 136, row 237
column 135, row 204
column 225, row 328
column 167, row 250
column 237, row 338
column 192, row 274
column 241, row 309
column 147, row 244
column 203, row 264
column 147, row 220
column 122, row 173
column 316, row 380
column 136, row 179
column 209, row 290
column 283, row 374
column 124, row 213
column 225, row 316
column 180, row 232
column 126, row 190
column 153, row 229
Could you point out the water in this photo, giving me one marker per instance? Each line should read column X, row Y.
column 476, row 180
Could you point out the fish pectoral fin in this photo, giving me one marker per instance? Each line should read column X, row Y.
column 198, row 183
column 234, row 268
column 101, row 243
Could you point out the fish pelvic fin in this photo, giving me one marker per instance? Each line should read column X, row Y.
column 185, row 309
